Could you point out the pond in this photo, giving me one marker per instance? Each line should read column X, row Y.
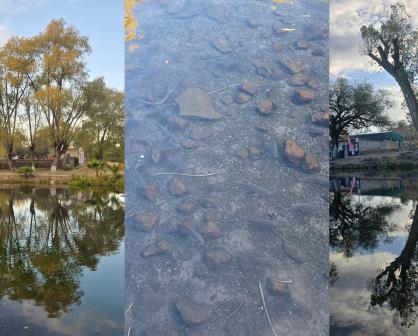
column 61, row 262
column 227, row 168
column 373, row 236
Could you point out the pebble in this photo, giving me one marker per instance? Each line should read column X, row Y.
column 265, row 107
column 298, row 80
column 311, row 164
column 218, row 258
column 301, row 44
column 210, row 230
column 222, row 45
column 303, row 96
column 191, row 312
column 241, row 152
column 187, row 207
column 156, row 248
column 294, row 153
column 176, row 187
column 189, row 143
column 276, row 287
column 147, row 220
column 156, row 156
column 151, row 192
column 294, row 252
column 254, row 151
column 293, row 66
column 250, row 87
column 253, row 21
column 242, row 97
column 321, row 118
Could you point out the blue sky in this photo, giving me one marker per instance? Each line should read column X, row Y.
column 100, row 20
column 346, row 18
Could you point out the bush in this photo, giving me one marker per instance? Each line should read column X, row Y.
column 83, row 181
column 25, row 171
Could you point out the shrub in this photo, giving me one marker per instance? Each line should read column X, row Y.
column 25, row 171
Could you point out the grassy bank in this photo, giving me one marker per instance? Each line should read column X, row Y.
column 83, row 177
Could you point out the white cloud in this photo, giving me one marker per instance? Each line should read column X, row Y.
column 9, row 7
column 350, row 300
column 4, row 34
column 346, row 18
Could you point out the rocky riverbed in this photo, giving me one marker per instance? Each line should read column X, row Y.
column 226, row 171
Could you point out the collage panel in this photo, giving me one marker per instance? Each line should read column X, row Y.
column 373, row 167
column 227, row 168
column 61, row 168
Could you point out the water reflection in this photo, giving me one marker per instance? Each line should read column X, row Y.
column 49, row 238
column 374, row 235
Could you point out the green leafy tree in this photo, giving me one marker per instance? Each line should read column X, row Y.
column 354, row 107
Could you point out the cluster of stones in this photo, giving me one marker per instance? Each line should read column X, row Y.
column 296, row 157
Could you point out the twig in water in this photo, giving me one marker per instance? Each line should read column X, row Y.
column 265, row 308
column 236, row 310
column 224, row 88
column 129, row 308
column 129, row 331
column 191, row 175
column 162, row 101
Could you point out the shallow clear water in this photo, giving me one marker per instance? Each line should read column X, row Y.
column 374, row 235
column 61, row 262
column 241, row 214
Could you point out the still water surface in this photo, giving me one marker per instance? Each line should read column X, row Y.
column 61, row 262
column 373, row 235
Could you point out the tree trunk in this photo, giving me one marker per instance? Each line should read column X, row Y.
column 32, row 160
column 10, row 161
column 54, row 164
column 409, row 95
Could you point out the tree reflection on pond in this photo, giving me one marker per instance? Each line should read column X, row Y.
column 47, row 237
column 362, row 227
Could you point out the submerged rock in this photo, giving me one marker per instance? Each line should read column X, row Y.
column 293, row 66
column 195, row 102
column 250, row 87
column 192, row 312
column 187, row 207
column 177, row 187
column 210, row 230
column 218, row 258
column 294, row 252
column 265, row 107
column 242, row 97
column 222, row 45
column 321, row 118
column 156, row 248
column 311, row 164
column 303, row 96
column 147, row 220
column 294, row 153
column 277, row 287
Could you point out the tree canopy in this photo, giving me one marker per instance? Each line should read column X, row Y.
column 356, row 106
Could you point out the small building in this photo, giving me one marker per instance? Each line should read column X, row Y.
column 73, row 157
column 369, row 143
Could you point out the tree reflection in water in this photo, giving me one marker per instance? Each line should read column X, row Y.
column 47, row 236
column 397, row 283
column 355, row 226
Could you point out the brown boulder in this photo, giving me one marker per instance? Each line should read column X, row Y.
column 294, row 153
column 147, row 220
column 177, row 187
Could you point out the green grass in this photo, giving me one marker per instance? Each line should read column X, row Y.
column 83, row 181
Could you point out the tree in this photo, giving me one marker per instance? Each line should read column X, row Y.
column 32, row 120
column 397, row 283
column 355, row 107
column 355, row 226
column 105, row 116
column 393, row 45
column 61, row 87
column 14, row 64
